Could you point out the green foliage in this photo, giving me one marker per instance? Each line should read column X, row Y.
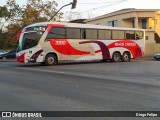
column 14, row 18
column 3, row 11
column 5, row 42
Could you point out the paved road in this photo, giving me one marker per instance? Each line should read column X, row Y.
column 86, row 86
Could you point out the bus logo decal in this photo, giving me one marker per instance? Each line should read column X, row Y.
column 130, row 45
column 60, row 43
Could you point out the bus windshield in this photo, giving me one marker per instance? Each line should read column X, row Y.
column 29, row 40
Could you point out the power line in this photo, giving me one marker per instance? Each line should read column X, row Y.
column 98, row 2
column 117, row 2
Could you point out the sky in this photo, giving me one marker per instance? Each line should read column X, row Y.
column 94, row 8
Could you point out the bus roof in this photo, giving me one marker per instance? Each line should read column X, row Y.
column 78, row 25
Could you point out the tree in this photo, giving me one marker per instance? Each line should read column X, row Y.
column 3, row 17
column 72, row 16
column 69, row 16
column 16, row 17
column 38, row 11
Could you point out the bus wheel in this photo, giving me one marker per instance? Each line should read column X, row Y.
column 116, row 57
column 126, row 57
column 50, row 60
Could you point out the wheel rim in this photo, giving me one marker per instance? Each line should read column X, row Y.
column 51, row 60
column 126, row 57
column 116, row 57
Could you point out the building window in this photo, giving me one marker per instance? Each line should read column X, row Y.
column 133, row 23
column 151, row 23
column 144, row 23
column 113, row 23
column 109, row 23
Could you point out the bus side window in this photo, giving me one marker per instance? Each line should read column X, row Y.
column 83, row 33
column 130, row 35
column 118, row 34
column 91, row 34
column 139, row 35
column 56, row 33
column 73, row 33
column 133, row 36
column 104, row 34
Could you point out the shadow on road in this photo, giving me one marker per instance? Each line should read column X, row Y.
column 72, row 63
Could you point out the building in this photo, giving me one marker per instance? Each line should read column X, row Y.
column 78, row 21
column 148, row 19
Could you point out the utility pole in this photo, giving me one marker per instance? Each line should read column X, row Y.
column 74, row 3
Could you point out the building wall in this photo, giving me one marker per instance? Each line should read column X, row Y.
column 124, row 16
column 150, row 34
column 127, row 23
column 158, row 24
column 151, row 23
column 151, row 49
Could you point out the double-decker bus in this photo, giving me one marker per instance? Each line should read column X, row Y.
column 51, row 42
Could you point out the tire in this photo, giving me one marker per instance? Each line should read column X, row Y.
column 126, row 57
column 103, row 60
column 116, row 57
column 43, row 63
column 50, row 60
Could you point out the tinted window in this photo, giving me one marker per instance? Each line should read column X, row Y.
column 31, row 39
column 56, row 32
column 91, row 34
column 104, row 34
column 130, row 35
column 73, row 33
column 139, row 35
column 83, row 33
column 117, row 34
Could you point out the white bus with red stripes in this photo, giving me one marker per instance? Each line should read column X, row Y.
column 51, row 42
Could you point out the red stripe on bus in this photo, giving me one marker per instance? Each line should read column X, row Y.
column 21, row 58
column 130, row 45
column 62, row 46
